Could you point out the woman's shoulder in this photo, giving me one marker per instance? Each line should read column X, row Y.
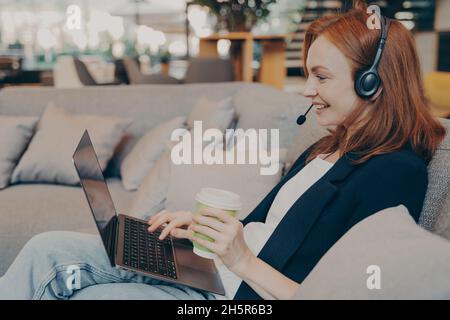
column 389, row 179
column 403, row 158
column 400, row 164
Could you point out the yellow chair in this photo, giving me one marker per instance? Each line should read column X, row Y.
column 437, row 90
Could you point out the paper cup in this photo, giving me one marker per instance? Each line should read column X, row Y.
column 219, row 199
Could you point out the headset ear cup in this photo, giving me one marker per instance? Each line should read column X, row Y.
column 367, row 84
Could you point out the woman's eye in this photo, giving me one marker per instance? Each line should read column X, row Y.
column 321, row 78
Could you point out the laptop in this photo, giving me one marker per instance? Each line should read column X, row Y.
column 127, row 241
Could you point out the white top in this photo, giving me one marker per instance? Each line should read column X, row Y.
column 256, row 234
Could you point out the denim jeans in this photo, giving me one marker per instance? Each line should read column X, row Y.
column 45, row 269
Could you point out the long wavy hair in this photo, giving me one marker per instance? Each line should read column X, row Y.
column 400, row 114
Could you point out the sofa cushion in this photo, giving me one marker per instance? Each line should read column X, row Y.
column 212, row 113
column 49, row 155
column 29, row 209
column 15, row 134
column 435, row 207
column 411, row 262
column 147, row 151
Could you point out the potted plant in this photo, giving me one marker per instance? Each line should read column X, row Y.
column 237, row 15
column 164, row 59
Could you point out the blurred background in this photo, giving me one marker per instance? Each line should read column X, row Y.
column 71, row 43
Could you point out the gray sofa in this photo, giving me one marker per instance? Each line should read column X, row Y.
column 29, row 209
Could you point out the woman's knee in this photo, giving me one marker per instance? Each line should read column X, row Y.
column 50, row 241
column 47, row 238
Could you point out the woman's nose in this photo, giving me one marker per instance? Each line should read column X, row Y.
column 309, row 90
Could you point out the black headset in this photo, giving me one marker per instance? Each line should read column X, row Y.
column 368, row 81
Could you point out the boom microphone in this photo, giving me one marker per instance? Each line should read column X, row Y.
column 302, row 118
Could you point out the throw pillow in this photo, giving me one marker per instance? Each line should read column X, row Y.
column 213, row 114
column 49, row 155
column 385, row 256
column 146, row 152
column 151, row 195
column 15, row 134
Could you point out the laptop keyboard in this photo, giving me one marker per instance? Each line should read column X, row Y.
column 144, row 251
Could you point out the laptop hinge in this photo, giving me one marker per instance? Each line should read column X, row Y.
column 109, row 235
column 113, row 239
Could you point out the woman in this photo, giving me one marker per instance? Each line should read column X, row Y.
column 375, row 157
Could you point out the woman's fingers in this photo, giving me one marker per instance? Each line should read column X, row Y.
column 217, row 213
column 172, row 225
column 174, row 219
column 207, row 231
column 210, row 222
column 207, row 244
column 182, row 233
column 166, row 217
column 156, row 216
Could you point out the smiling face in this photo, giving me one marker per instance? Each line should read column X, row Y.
column 330, row 84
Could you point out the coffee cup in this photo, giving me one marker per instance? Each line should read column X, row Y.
column 219, row 199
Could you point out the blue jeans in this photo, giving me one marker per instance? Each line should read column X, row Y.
column 44, row 269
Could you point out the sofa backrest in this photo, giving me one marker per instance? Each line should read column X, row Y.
column 436, row 209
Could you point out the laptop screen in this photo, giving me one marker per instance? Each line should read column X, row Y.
column 94, row 185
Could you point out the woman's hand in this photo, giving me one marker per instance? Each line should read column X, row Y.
column 228, row 235
column 174, row 220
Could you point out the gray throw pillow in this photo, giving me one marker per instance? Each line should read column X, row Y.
column 152, row 193
column 385, row 256
column 213, row 114
column 15, row 134
column 146, row 152
column 49, row 155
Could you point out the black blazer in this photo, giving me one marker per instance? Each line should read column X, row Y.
column 345, row 195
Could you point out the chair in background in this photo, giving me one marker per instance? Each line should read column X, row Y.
column 198, row 70
column 85, row 76
column 136, row 77
column 65, row 74
column 209, row 70
column 83, row 73
column 119, row 72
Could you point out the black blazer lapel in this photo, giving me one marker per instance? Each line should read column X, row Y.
column 295, row 225
column 300, row 218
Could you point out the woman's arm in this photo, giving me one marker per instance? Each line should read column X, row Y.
column 230, row 246
column 266, row 281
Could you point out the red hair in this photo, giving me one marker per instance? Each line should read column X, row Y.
column 401, row 114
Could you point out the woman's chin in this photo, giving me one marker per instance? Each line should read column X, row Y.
column 324, row 122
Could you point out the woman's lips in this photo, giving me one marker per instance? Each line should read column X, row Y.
column 320, row 108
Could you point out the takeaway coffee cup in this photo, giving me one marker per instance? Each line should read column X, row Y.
column 219, row 199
